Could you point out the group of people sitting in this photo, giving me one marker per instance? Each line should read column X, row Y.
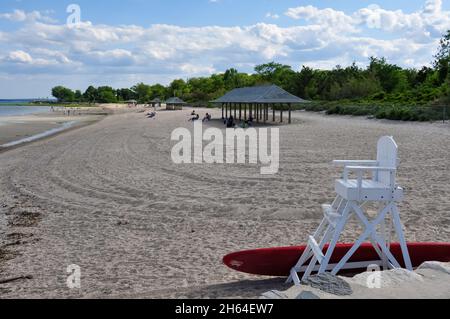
column 230, row 122
column 196, row 117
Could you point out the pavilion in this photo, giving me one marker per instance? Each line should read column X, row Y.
column 156, row 102
column 258, row 100
column 175, row 104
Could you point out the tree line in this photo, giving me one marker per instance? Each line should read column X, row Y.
column 379, row 84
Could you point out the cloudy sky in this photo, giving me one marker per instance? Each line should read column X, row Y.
column 120, row 43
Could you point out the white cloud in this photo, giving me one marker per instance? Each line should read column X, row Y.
column 336, row 21
column 21, row 16
column 429, row 22
column 271, row 15
column 19, row 57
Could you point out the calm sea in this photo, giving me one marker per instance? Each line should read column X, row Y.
column 6, row 109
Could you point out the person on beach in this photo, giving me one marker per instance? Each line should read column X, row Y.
column 195, row 118
column 207, row 118
column 230, row 122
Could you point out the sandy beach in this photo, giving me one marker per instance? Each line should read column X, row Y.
column 108, row 197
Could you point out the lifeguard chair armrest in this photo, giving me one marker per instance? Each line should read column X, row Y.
column 361, row 169
column 340, row 163
column 370, row 168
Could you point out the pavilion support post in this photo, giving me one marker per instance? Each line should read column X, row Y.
column 223, row 112
column 240, row 111
column 265, row 113
column 250, row 110
column 281, row 114
column 257, row 112
column 245, row 111
column 273, row 111
column 290, row 113
column 235, row 111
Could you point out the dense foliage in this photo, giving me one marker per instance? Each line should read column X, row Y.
column 381, row 89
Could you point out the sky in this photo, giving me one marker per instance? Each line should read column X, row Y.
column 44, row 43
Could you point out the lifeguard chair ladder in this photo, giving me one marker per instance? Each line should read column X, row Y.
column 353, row 195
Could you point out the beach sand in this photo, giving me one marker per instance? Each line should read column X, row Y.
column 107, row 197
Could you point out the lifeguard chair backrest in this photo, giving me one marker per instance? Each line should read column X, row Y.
column 387, row 157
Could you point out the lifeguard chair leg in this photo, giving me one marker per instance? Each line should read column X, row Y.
column 337, row 234
column 370, row 231
column 401, row 237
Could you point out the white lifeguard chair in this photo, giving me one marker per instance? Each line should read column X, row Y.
column 353, row 196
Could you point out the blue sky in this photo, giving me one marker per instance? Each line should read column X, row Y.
column 120, row 43
column 196, row 12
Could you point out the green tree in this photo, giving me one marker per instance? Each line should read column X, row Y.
column 268, row 71
column 63, row 94
column 91, row 94
column 444, row 50
column 125, row 95
column 78, row 96
column 178, row 88
column 143, row 92
column 106, row 94
column 390, row 76
column 158, row 91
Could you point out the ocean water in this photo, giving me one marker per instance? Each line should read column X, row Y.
column 8, row 110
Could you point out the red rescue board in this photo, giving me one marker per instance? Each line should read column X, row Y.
column 278, row 262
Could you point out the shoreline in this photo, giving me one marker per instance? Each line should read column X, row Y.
column 65, row 126
column 17, row 131
column 22, row 129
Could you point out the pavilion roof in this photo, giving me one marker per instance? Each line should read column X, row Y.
column 175, row 100
column 267, row 94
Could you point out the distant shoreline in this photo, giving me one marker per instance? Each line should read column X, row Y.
column 19, row 130
column 32, row 104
